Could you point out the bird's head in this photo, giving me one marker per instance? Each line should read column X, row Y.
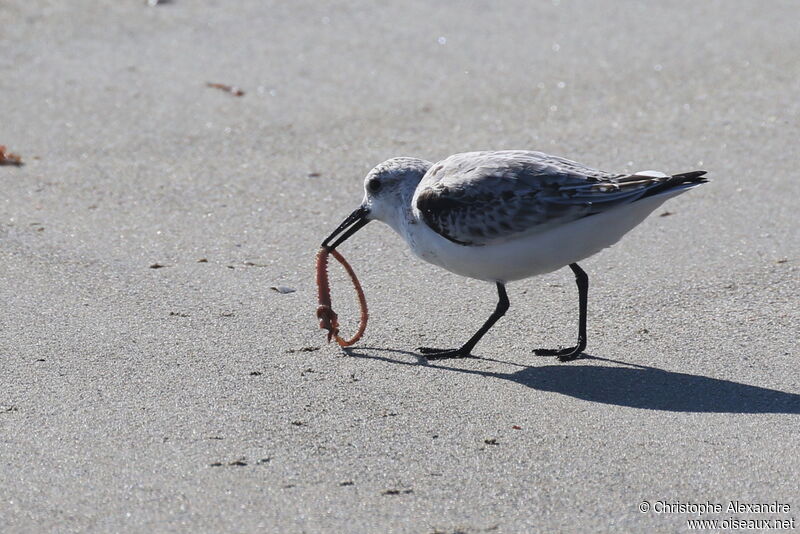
column 388, row 189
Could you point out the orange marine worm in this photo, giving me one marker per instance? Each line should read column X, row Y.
column 328, row 320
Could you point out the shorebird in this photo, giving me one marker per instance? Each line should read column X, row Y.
column 507, row 215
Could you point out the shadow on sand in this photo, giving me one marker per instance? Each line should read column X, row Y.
column 635, row 386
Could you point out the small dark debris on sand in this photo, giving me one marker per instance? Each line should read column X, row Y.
column 491, row 441
column 264, row 460
column 202, row 260
column 178, row 314
column 255, row 373
column 516, row 427
column 235, row 463
column 782, row 260
column 157, row 266
column 9, row 158
column 283, row 289
column 347, row 483
column 299, row 423
column 397, row 492
column 303, row 349
column 459, row 530
column 7, row 408
column 226, row 314
column 314, row 175
column 154, row 3
column 666, row 214
column 232, row 89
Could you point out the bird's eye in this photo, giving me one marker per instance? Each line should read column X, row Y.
column 374, row 185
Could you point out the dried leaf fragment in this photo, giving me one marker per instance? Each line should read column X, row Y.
column 9, row 158
column 232, row 89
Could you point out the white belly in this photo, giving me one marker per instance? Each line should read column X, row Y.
column 535, row 254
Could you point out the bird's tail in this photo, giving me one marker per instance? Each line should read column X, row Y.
column 694, row 177
column 677, row 182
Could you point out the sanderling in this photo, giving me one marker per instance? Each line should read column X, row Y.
column 508, row 215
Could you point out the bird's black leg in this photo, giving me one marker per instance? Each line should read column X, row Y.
column 463, row 352
column 571, row 353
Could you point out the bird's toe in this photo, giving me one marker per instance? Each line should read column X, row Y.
column 569, row 356
column 443, row 354
column 563, row 355
column 432, row 350
column 547, row 352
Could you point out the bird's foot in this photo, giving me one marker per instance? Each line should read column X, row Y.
column 564, row 355
column 431, row 353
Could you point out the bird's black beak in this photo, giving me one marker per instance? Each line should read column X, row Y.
column 351, row 225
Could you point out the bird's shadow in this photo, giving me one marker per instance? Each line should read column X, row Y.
column 623, row 384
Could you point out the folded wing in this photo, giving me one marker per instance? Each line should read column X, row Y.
column 479, row 198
